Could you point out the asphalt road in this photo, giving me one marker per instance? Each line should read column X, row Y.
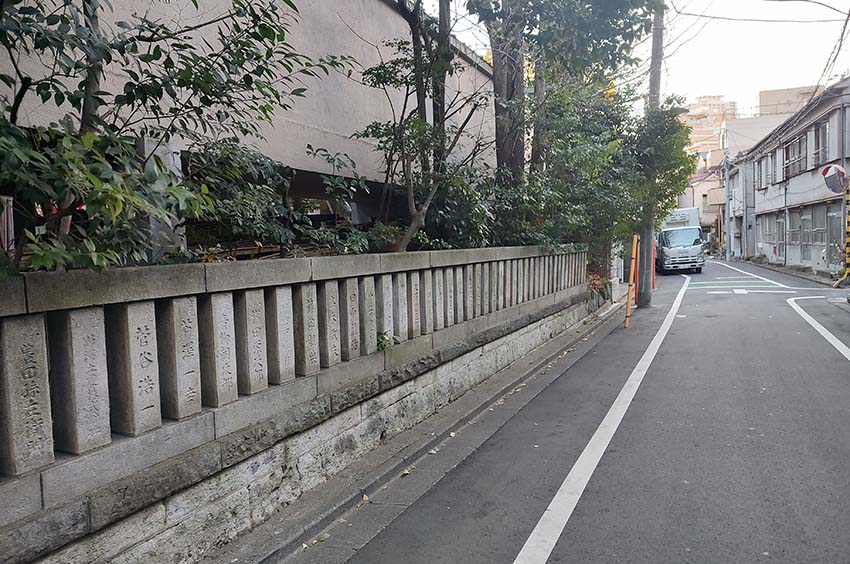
column 734, row 449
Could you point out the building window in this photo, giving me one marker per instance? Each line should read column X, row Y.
column 821, row 152
column 705, row 201
column 794, row 226
column 795, row 156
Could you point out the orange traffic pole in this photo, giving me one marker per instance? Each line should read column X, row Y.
column 632, row 276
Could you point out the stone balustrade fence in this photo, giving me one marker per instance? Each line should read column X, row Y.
column 105, row 373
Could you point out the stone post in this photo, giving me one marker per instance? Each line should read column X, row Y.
column 477, row 302
column 349, row 309
column 486, row 292
column 329, row 340
column 500, row 285
column 280, row 334
column 133, row 365
column 79, row 389
column 439, row 306
column 414, row 305
column 520, row 292
column 306, row 314
column 468, row 293
column 460, row 287
column 384, row 299
column 217, row 336
column 449, row 295
column 368, row 319
column 401, row 326
column 426, row 297
column 26, row 440
column 179, row 357
column 539, row 274
column 251, row 361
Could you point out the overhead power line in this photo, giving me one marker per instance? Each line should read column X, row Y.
column 751, row 20
column 815, row 2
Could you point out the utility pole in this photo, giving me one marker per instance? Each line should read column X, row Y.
column 646, row 229
column 728, row 208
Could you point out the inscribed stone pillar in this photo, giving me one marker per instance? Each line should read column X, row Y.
column 401, row 326
column 468, row 293
column 306, row 314
column 384, row 300
column 426, row 298
column 539, row 273
column 510, row 282
column 349, row 310
column 79, row 390
column 439, row 306
column 251, row 361
column 449, row 295
column 476, row 290
column 460, row 288
column 486, row 293
column 329, row 340
column 520, row 291
column 414, row 305
column 26, row 441
column 179, row 357
column 368, row 319
column 217, row 335
column 500, row 285
column 280, row 336
column 133, row 365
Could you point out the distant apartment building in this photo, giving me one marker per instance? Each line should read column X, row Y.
column 705, row 117
column 785, row 100
column 780, row 206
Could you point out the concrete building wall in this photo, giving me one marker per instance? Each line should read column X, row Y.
column 798, row 220
column 334, row 107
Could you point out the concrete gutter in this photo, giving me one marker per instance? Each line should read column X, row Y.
column 292, row 527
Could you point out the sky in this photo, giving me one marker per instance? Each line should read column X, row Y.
column 736, row 59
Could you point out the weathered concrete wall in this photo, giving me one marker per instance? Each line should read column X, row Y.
column 334, row 107
column 212, row 369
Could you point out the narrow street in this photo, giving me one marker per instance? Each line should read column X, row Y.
column 733, row 448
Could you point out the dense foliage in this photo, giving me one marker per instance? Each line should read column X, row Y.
column 88, row 187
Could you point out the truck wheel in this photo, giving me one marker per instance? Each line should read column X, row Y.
column 699, row 270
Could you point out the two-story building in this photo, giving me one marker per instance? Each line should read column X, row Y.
column 781, row 207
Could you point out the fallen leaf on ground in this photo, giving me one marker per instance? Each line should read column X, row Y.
column 366, row 498
column 434, row 451
column 322, row 538
column 408, row 470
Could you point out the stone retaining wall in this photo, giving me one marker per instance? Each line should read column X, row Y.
column 149, row 414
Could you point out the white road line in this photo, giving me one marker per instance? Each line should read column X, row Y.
column 546, row 533
column 732, row 277
column 718, row 292
column 830, row 338
column 739, row 291
column 773, row 292
column 749, row 273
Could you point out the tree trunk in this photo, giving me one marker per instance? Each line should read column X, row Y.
column 95, row 69
column 509, row 90
column 441, row 65
column 417, row 222
column 538, row 155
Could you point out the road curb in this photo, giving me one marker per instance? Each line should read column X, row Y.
column 336, row 496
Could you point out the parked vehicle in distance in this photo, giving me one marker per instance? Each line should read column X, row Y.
column 680, row 242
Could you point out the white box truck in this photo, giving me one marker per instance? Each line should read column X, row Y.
column 680, row 243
